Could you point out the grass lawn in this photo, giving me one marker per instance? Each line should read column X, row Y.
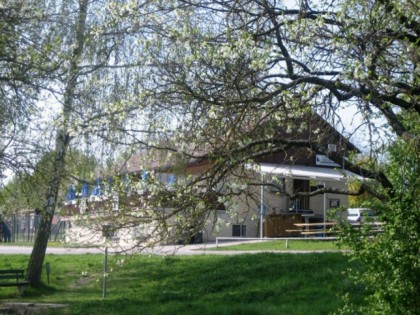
column 203, row 284
column 310, row 245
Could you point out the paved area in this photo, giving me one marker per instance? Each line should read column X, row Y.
column 195, row 249
column 26, row 250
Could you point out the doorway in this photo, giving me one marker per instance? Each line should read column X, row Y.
column 301, row 185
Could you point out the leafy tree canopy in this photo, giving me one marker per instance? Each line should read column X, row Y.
column 27, row 191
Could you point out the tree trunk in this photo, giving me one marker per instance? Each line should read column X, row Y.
column 36, row 261
column 33, row 274
column 38, row 253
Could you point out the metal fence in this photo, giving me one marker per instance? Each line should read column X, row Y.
column 23, row 228
column 219, row 239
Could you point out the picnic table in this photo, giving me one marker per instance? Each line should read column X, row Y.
column 313, row 228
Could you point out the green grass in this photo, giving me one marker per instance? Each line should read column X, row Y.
column 303, row 245
column 204, row 284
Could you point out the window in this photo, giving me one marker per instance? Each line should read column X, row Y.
column 115, row 202
column 302, row 202
column 167, row 179
column 83, row 206
column 238, row 230
column 277, row 185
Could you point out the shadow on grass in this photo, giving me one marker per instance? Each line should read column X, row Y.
column 206, row 284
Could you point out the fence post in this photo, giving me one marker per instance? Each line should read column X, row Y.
column 28, row 221
column 105, row 276
column 15, row 228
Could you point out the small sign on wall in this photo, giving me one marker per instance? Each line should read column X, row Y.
column 334, row 203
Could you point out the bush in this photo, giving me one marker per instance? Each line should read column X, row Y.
column 392, row 259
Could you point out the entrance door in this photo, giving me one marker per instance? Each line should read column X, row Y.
column 301, row 185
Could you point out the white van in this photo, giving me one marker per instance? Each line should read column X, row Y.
column 357, row 215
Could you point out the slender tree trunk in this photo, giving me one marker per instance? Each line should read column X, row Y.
column 33, row 274
column 36, row 261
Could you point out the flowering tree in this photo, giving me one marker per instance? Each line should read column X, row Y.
column 21, row 75
column 86, row 47
column 230, row 82
column 237, row 69
column 241, row 76
column 226, row 82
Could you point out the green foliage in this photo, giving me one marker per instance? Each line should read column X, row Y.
column 28, row 191
column 392, row 258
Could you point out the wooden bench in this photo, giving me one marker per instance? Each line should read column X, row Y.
column 315, row 224
column 310, row 232
column 12, row 278
column 317, row 232
column 313, row 228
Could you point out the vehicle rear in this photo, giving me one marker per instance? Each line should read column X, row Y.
column 357, row 215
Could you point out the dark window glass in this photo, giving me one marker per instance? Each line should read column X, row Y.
column 238, row 230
